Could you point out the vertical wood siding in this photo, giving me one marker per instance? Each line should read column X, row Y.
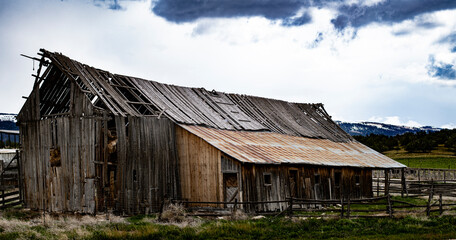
column 69, row 186
column 255, row 189
column 199, row 167
column 147, row 163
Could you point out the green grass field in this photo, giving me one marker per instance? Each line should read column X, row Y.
column 438, row 158
column 146, row 227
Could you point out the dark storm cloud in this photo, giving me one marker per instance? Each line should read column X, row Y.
column 444, row 71
column 354, row 15
column 180, row 11
column 388, row 12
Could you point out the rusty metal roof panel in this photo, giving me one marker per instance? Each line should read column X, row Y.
column 275, row 148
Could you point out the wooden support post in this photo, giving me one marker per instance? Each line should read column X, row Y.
column 403, row 182
column 440, row 204
column 386, row 181
column 348, row 206
column 105, row 163
column 431, row 195
column 378, row 185
column 1, row 183
column 19, row 172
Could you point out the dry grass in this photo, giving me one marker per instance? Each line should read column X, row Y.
column 53, row 227
column 173, row 213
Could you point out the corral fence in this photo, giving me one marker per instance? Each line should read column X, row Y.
column 414, row 181
column 376, row 207
column 10, row 194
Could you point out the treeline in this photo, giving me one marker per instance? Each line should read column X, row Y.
column 411, row 142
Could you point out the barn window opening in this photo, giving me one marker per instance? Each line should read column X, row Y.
column 267, row 179
column 55, row 157
column 357, row 179
column 337, row 178
column 317, row 179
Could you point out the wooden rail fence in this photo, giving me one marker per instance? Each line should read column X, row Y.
column 345, row 207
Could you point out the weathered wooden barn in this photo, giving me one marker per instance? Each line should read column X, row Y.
column 93, row 141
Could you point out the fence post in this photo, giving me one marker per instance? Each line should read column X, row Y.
column 348, row 206
column 342, row 207
column 162, row 205
column 440, row 204
column 234, row 208
column 431, row 195
column 290, row 207
column 390, row 206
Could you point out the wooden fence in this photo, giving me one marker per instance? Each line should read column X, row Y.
column 10, row 195
column 346, row 208
column 380, row 206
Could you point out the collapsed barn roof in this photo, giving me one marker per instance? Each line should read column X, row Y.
column 129, row 96
column 217, row 113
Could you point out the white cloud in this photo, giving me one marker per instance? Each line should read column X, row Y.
column 449, row 126
column 395, row 120
column 370, row 75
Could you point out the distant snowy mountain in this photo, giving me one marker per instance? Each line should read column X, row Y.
column 366, row 128
column 8, row 121
column 8, row 117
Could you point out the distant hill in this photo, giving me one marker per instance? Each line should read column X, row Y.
column 8, row 121
column 366, row 128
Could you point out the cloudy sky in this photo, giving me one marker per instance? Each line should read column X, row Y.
column 390, row 61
